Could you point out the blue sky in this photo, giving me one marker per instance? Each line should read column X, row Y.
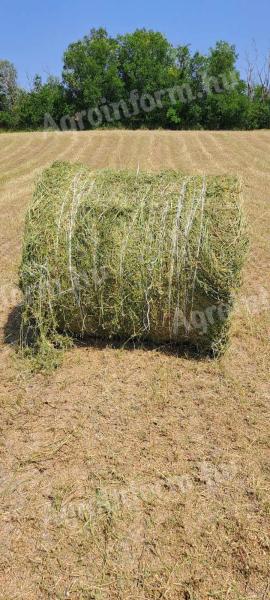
column 35, row 34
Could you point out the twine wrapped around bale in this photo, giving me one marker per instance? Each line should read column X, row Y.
column 117, row 254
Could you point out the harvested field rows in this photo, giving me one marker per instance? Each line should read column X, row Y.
column 136, row 473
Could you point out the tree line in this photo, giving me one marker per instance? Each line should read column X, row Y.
column 138, row 80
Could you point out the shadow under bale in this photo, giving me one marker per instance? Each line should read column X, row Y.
column 13, row 334
column 12, row 328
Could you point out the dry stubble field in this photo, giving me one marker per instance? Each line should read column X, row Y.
column 137, row 474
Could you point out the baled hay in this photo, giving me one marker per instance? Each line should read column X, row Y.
column 124, row 255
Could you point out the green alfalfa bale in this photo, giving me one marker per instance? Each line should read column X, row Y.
column 119, row 254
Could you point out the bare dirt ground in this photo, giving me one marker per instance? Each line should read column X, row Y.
column 137, row 474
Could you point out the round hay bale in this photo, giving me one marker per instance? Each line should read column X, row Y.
column 115, row 254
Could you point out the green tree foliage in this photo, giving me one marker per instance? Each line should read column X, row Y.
column 222, row 59
column 8, row 93
column 91, row 70
column 31, row 107
column 146, row 61
column 8, row 85
column 137, row 80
